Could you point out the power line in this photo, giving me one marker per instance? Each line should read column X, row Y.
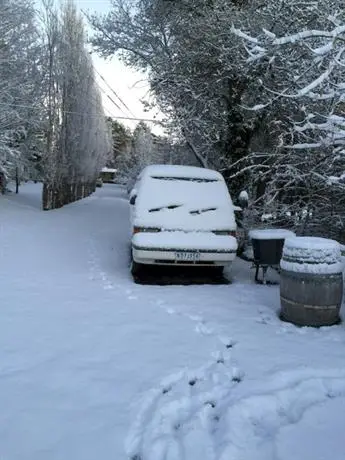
column 148, row 120
column 109, row 97
column 105, row 81
column 113, row 91
column 96, row 83
column 133, row 118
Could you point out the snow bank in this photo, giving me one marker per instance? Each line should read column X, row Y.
column 206, row 241
column 270, row 234
column 312, row 255
column 183, row 198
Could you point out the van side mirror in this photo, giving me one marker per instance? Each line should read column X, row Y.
column 132, row 200
column 243, row 199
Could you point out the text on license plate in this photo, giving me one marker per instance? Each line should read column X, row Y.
column 187, row 256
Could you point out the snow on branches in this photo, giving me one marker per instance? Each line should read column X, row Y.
column 303, row 72
column 20, row 84
column 314, row 61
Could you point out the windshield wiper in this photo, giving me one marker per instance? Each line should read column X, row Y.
column 171, row 206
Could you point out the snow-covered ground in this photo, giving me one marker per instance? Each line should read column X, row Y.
column 93, row 366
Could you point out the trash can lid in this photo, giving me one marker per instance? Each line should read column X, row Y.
column 271, row 234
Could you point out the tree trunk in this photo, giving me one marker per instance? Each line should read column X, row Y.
column 47, row 197
column 17, row 180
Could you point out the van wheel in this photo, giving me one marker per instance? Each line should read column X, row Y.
column 218, row 271
column 135, row 268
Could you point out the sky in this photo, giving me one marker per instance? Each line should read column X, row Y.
column 130, row 85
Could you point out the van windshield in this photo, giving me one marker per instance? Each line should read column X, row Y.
column 189, row 179
column 184, row 202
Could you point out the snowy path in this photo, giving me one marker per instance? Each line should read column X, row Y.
column 88, row 359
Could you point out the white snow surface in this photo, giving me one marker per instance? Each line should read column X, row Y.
column 270, row 234
column 186, row 240
column 312, row 255
column 93, row 366
column 183, row 198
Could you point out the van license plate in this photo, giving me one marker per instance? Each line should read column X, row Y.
column 187, row 256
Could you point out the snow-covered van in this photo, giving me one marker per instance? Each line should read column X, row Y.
column 182, row 215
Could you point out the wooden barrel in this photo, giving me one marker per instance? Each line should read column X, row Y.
column 311, row 283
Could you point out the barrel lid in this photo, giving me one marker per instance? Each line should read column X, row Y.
column 311, row 255
column 311, row 242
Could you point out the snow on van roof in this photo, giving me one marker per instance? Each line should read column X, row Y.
column 183, row 198
column 188, row 172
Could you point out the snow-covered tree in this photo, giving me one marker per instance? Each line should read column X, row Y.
column 78, row 137
column 238, row 95
column 142, row 149
column 181, row 46
column 304, row 66
column 121, row 141
column 21, row 95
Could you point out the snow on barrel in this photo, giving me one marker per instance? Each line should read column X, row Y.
column 311, row 284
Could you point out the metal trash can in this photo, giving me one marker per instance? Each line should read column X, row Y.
column 267, row 249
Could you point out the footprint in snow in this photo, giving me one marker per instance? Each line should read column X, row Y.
column 201, row 328
column 265, row 317
column 227, row 342
column 159, row 302
column 195, row 318
column 108, row 287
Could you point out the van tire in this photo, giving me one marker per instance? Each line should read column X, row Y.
column 218, row 271
column 135, row 268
